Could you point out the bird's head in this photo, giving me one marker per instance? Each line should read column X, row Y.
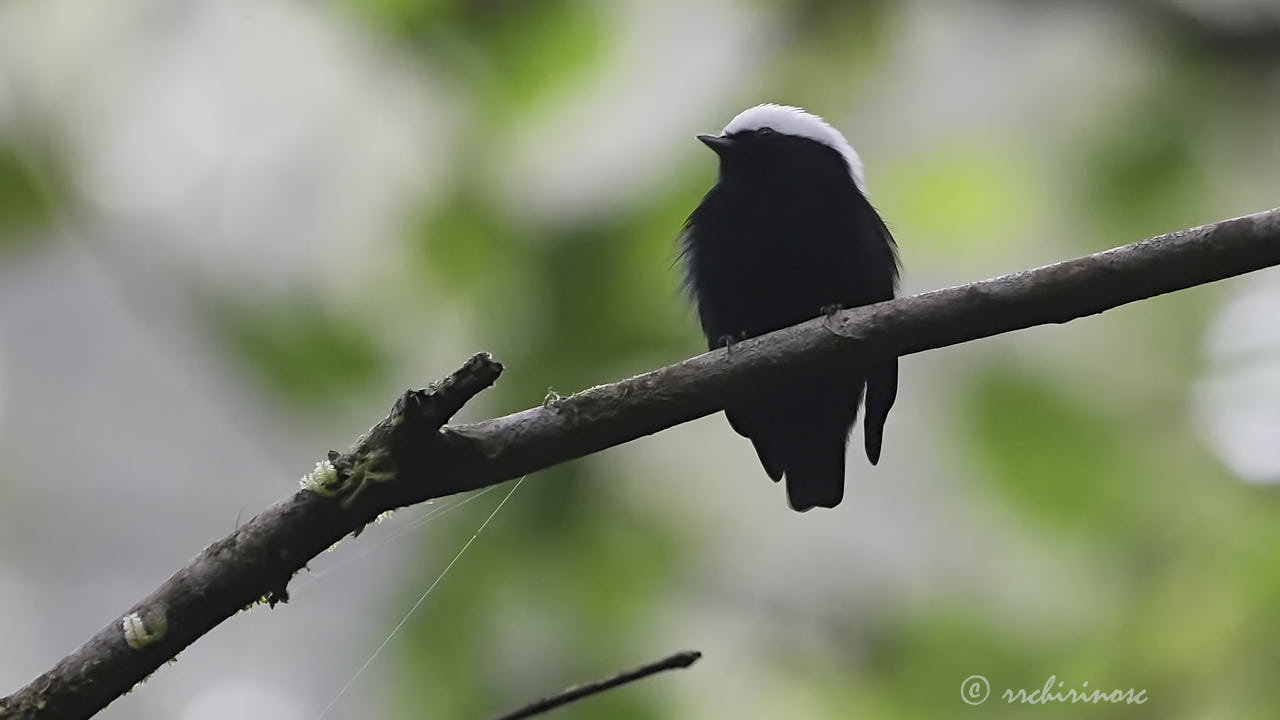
column 778, row 139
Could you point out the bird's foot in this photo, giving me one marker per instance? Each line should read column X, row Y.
column 728, row 341
column 829, row 313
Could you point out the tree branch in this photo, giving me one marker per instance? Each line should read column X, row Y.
column 252, row 564
column 411, row 456
column 677, row 661
column 496, row 450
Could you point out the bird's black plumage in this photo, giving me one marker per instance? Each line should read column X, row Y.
column 784, row 235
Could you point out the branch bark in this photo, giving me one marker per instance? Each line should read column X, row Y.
column 252, row 564
column 411, row 456
column 495, row 450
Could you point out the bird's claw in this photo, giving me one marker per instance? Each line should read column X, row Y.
column 728, row 341
column 829, row 314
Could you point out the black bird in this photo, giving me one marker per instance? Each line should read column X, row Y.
column 787, row 234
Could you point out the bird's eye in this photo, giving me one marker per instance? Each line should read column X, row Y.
column 765, row 132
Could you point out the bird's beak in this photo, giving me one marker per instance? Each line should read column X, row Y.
column 718, row 143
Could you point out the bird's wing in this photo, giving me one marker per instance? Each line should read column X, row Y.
column 882, row 389
column 882, row 379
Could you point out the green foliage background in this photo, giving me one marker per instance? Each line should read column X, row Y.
column 1071, row 449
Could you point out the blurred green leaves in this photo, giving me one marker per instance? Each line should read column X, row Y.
column 538, row 48
column 519, row 53
column 405, row 17
column 960, row 198
column 833, row 45
column 1053, row 454
column 1152, row 566
column 1151, row 527
column 1142, row 172
column 570, row 581
column 304, row 354
column 466, row 248
column 25, row 206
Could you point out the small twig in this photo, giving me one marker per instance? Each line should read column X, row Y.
column 675, row 662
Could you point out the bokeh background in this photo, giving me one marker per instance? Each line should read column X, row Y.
column 231, row 232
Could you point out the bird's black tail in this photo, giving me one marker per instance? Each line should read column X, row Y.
column 882, row 389
column 815, row 470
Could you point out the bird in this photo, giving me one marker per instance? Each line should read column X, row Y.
column 787, row 233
